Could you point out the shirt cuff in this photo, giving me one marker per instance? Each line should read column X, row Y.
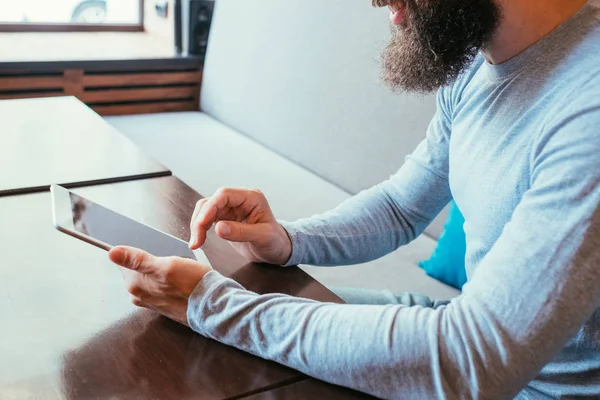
column 295, row 236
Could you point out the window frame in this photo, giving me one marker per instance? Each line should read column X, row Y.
column 67, row 27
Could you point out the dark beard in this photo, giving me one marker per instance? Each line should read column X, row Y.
column 438, row 40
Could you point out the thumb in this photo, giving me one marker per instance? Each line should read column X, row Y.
column 133, row 259
column 256, row 234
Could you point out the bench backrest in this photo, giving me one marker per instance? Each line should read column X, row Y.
column 302, row 78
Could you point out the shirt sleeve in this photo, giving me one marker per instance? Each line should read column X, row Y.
column 379, row 220
column 532, row 292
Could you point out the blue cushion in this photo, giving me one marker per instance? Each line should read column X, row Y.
column 447, row 263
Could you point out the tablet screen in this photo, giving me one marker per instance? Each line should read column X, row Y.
column 115, row 229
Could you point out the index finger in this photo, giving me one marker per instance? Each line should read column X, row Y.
column 197, row 233
column 198, row 207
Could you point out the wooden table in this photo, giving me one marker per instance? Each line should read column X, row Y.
column 67, row 327
column 60, row 140
column 69, row 330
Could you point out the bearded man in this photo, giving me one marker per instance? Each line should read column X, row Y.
column 516, row 143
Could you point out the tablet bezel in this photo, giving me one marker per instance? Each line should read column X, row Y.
column 62, row 217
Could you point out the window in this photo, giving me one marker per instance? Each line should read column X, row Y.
column 71, row 15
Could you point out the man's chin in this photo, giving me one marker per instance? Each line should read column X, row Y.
column 408, row 67
column 426, row 53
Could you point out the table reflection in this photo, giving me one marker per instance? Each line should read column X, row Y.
column 149, row 356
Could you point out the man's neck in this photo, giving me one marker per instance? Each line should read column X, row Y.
column 524, row 23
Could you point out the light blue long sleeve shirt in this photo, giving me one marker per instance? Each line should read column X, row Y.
column 517, row 145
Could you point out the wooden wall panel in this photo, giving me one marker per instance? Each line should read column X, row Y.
column 153, row 78
column 33, row 82
column 110, row 92
column 144, row 108
column 135, row 94
column 72, row 82
column 30, row 95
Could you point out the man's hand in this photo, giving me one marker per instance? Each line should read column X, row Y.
column 243, row 216
column 161, row 284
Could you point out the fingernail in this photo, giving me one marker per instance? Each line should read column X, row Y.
column 117, row 255
column 201, row 217
column 193, row 240
column 225, row 229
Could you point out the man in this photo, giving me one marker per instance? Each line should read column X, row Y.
column 516, row 142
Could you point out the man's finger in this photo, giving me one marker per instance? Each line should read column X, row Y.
column 257, row 234
column 225, row 204
column 134, row 259
column 197, row 235
column 230, row 204
column 197, row 209
column 136, row 301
